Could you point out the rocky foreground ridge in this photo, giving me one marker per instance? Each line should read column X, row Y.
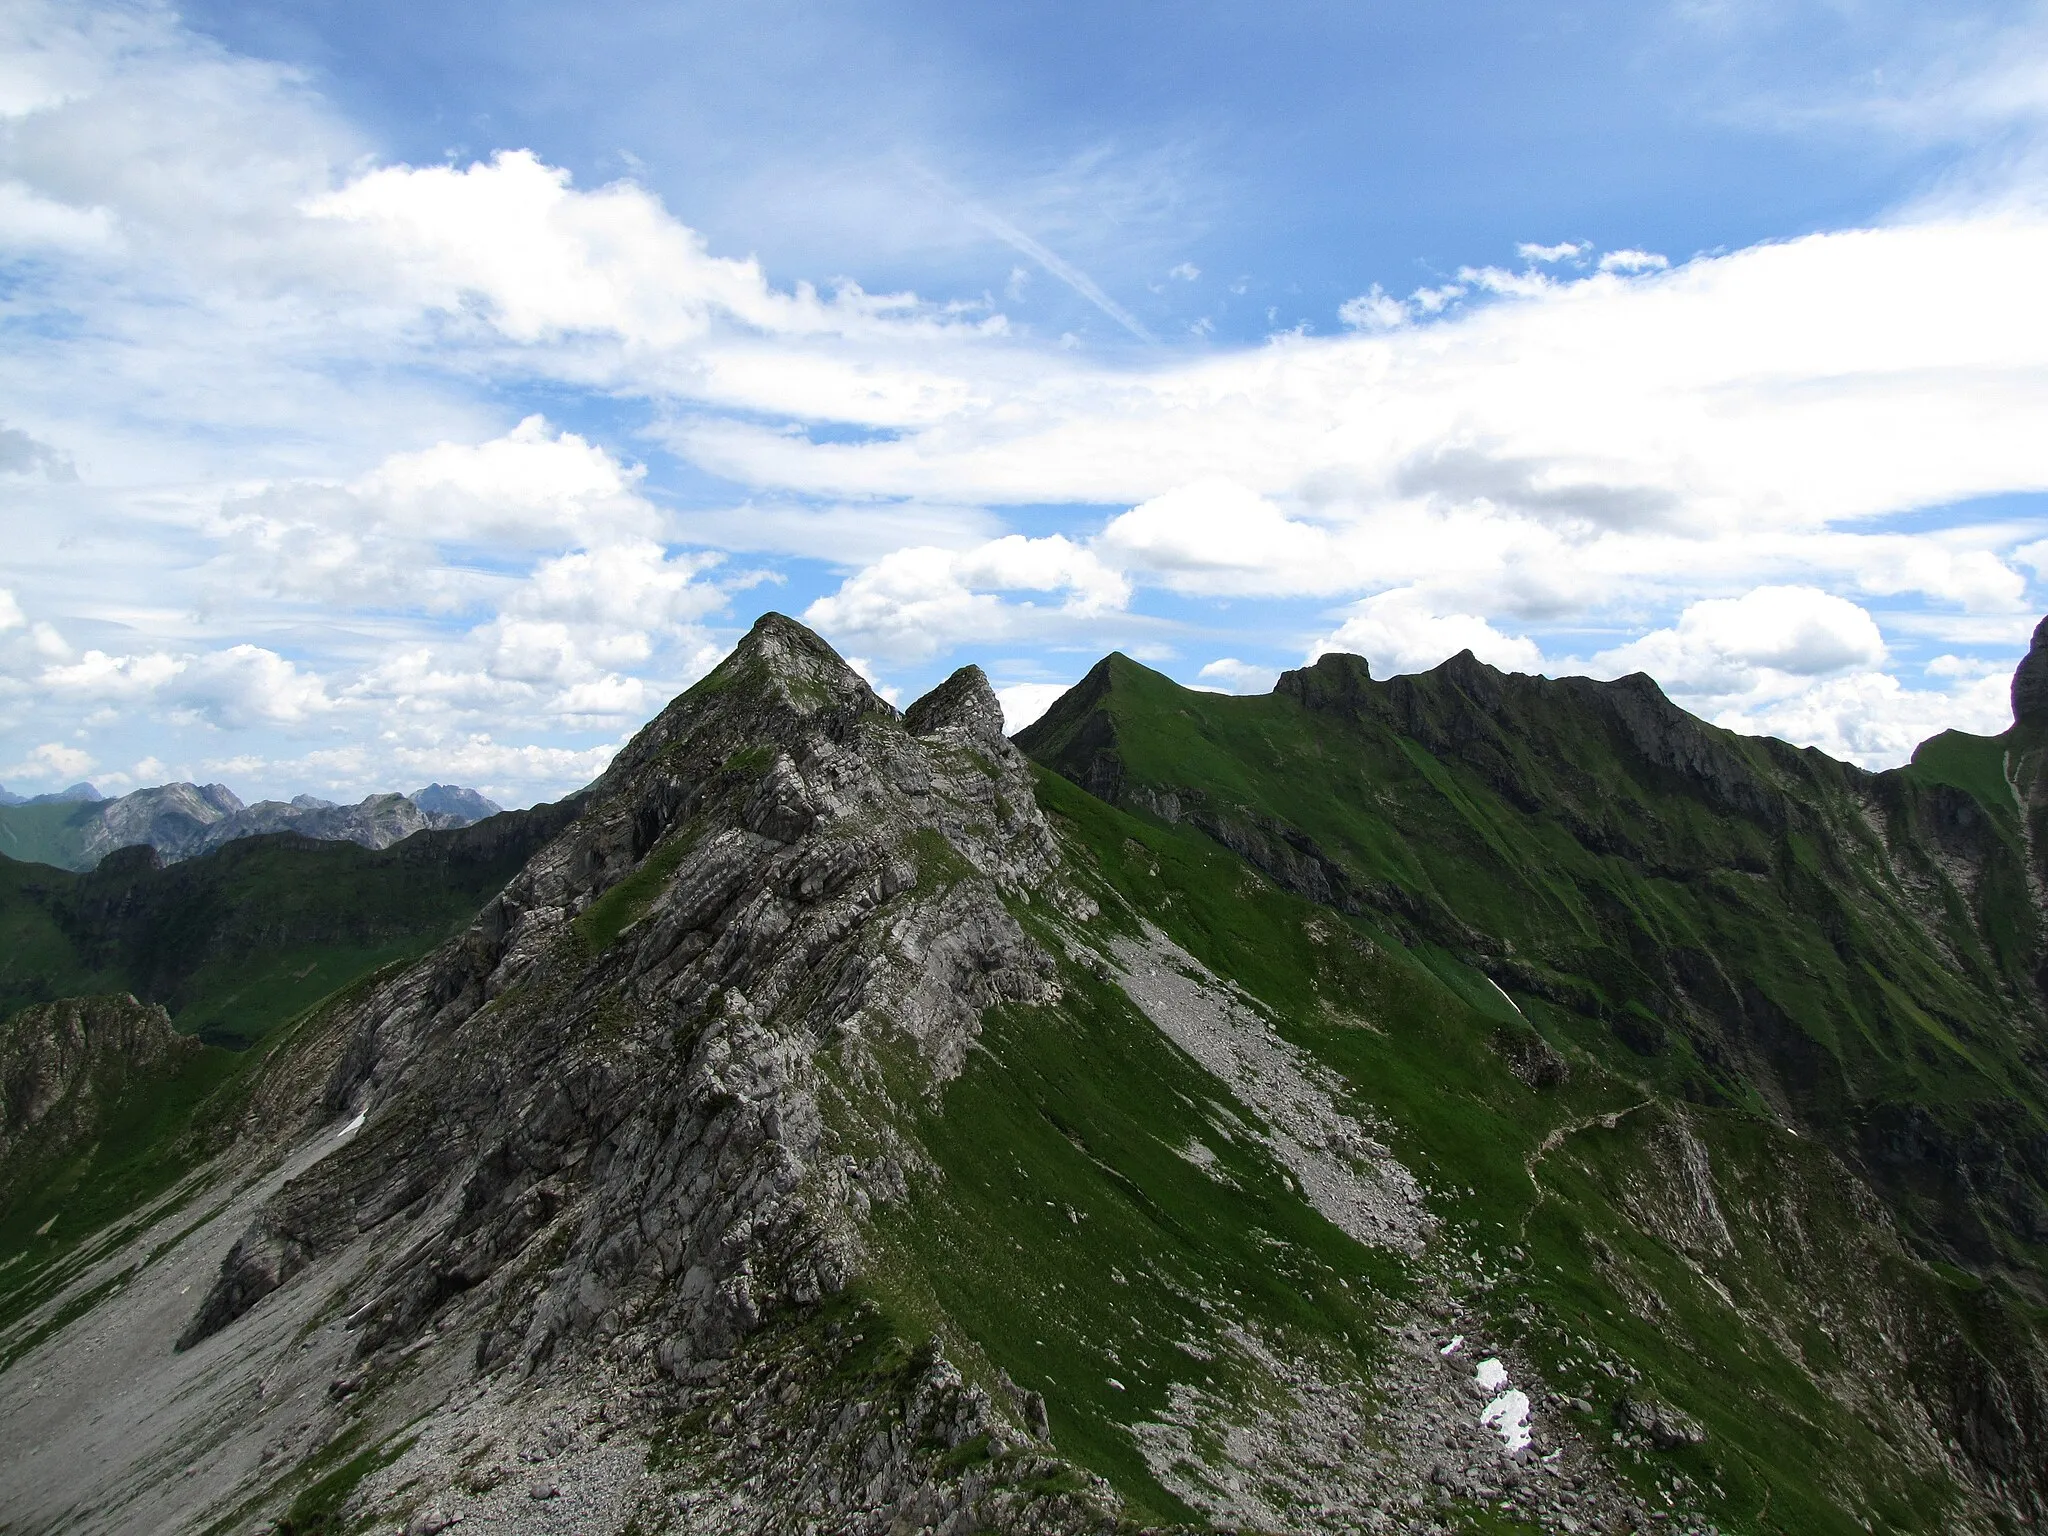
column 832, row 1129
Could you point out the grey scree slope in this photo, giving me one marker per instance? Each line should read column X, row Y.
column 516, row 1211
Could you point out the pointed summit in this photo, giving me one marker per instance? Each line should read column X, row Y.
column 780, row 673
column 780, row 651
column 964, row 701
column 2030, row 682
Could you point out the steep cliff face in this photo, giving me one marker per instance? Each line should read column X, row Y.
column 68, row 1070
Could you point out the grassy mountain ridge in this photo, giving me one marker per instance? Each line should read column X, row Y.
column 1806, row 993
column 239, row 939
column 1754, row 925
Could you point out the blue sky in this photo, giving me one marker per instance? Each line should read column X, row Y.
column 396, row 393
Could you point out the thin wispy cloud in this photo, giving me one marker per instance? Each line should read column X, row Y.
column 1051, row 261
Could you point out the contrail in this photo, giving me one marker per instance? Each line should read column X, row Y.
column 1057, row 265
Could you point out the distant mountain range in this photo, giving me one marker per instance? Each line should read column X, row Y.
column 76, row 828
column 75, row 793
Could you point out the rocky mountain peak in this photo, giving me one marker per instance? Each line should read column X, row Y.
column 627, row 1051
column 1335, row 677
column 2030, row 681
column 784, row 657
column 964, row 702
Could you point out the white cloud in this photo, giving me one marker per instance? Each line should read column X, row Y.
column 1726, row 646
column 1025, row 702
column 11, row 616
column 1872, row 718
column 237, row 686
column 1565, row 250
column 1965, row 666
column 915, row 602
column 51, row 762
column 1373, row 310
column 531, row 488
column 1802, row 664
column 1755, row 410
column 1401, row 631
column 1236, row 676
column 401, row 532
column 1214, row 535
column 1633, row 261
column 844, row 534
column 511, row 239
column 96, row 675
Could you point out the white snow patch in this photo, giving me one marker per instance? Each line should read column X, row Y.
column 353, row 1126
column 1504, row 996
column 1454, row 1346
column 1509, row 1414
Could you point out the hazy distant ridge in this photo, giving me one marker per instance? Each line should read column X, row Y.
column 76, row 829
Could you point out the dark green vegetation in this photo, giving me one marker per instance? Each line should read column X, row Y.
column 1777, row 984
column 46, row 834
column 244, row 937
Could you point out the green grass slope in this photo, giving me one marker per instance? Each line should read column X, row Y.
column 1777, row 983
column 45, row 834
column 246, row 936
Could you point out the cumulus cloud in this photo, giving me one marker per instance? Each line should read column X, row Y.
column 51, row 762
column 386, row 536
column 1796, row 662
column 1872, row 718
column 1564, row 250
column 1726, row 646
column 546, row 261
column 1402, row 631
column 1025, row 702
column 237, row 686
column 1373, row 310
column 1633, row 261
column 1234, row 676
column 1214, row 535
column 915, row 602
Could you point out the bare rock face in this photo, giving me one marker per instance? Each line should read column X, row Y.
column 172, row 818
column 631, row 1116
column 63, row 1068
column 2030, row 681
